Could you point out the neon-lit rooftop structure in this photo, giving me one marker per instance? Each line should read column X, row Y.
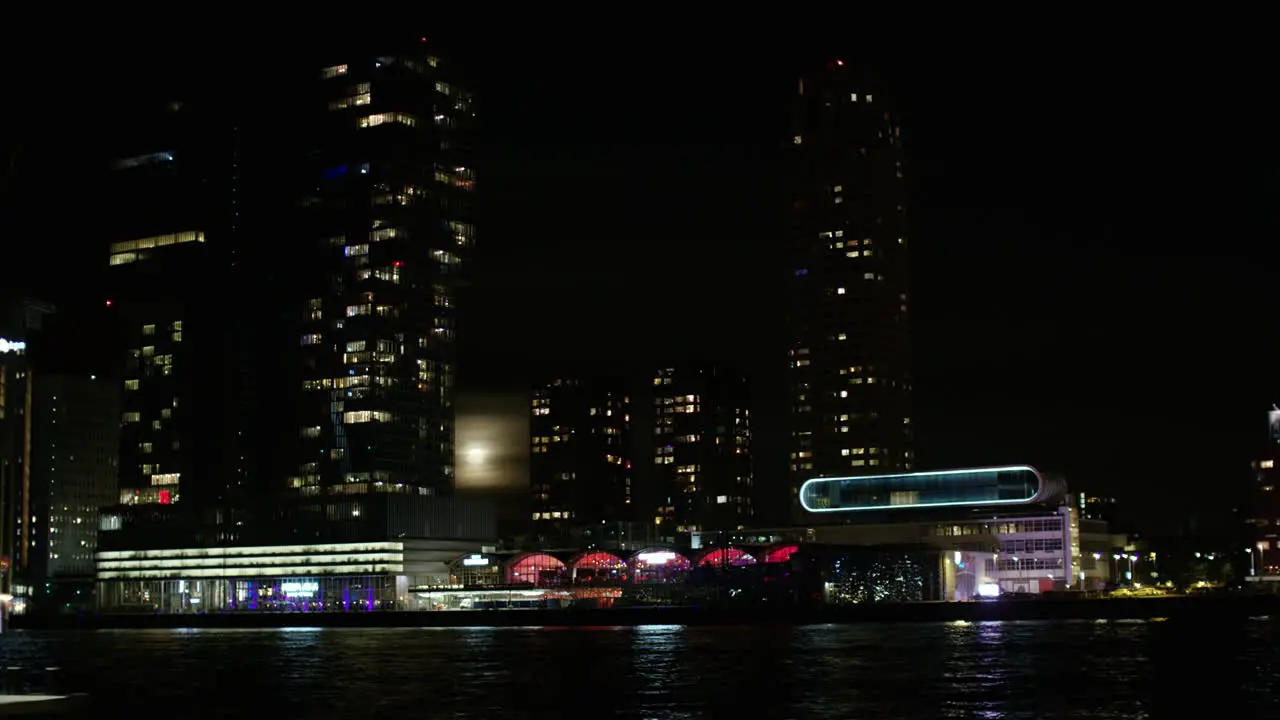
column 535, row 568
column 726, row 557
column 976, row 487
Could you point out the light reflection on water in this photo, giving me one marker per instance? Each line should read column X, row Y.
column 952, row 670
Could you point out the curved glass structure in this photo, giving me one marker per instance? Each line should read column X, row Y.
column 780, row 553
column 659, row 565
column 599, row 567
column 726, row 557
column 1012, row 485
column 535, row 568
column 474, row 570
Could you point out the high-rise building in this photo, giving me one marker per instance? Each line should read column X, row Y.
column 20, row 323
column 580, row 457
column 386, row 222
column 701, row 451
column 183, row 315
column 74, row 448
column 850, row 344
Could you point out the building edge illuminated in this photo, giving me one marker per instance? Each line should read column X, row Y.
column 984, row 486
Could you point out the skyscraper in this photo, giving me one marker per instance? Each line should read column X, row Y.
column 701, row 451
column 182, row 317
column 580, row 457
column 850, row 343
column 386, row 222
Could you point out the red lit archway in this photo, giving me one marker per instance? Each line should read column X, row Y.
column 726, row 557
column 780, row 553
column 598, row 567
column 535, row 568
column 659, row 565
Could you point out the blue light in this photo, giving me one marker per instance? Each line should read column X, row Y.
column 335, row 172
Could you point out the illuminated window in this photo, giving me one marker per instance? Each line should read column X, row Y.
column 400, row 118
column 129, row 251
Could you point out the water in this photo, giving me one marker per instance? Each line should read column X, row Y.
column 985, row 670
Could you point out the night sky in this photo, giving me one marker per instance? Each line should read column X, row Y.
column 1093, row 238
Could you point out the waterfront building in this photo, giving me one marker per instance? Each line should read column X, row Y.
column 385, row 227
column 1000, row 530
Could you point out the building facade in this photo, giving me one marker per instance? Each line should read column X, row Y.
column 579, row 457
column 184, row 339
column 701, row 451
column 20, row 324
column 386, row 223
column 847, row 265
column 1264, row 505
column 75, row 446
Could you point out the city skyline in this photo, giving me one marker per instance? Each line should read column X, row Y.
column 1028, row 241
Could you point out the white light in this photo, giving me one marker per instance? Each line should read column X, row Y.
column 475, row 560
column 477, row 454
column 300, row 589
column 8, row 346
column 661, row 557
column 988, row 590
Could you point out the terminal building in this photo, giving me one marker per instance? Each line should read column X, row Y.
column 954, row 535
column 997, row 530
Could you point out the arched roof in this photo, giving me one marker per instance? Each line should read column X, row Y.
column 597, row 560
column 730, row 556
column 528, row 566
column 779, row 553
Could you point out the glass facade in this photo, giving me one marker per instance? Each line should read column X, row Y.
column 355, row 593
column 985, row 486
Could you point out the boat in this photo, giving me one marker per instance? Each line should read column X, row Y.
column 32, row 705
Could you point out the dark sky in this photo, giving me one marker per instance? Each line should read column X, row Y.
column 1093, row 237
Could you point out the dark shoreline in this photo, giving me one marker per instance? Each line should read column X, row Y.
column 1177, row 608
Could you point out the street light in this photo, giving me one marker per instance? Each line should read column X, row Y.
column 1253, row 569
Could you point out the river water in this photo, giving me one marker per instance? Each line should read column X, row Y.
column 1078, row 669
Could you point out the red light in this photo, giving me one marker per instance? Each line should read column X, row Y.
column 840, row 63
column 397, row 263
column 108, row 303
column 424, row 39
column 165, row 498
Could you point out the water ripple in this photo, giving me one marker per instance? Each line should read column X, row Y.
column 955, row 670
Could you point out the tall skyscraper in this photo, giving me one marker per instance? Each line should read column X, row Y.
column 183, row 317
column 386, row 222
column 701, row 451
column 850, row 344
column 580, row 457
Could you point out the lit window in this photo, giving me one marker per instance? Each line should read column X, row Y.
column 839, row 291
